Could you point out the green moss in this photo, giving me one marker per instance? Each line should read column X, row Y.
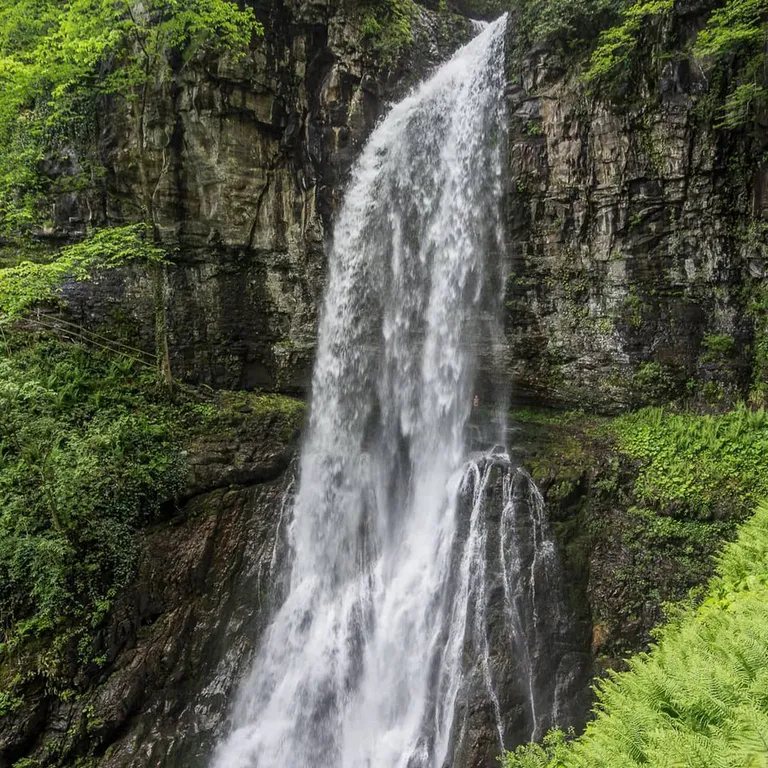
column 757, row 311
column 547, row 417
column 244, row 410
column 700, row 467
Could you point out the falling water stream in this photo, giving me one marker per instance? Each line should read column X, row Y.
column 362, row 665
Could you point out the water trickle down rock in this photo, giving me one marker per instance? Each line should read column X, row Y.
column 527, row 668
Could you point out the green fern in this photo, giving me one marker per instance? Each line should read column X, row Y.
column 699, row 699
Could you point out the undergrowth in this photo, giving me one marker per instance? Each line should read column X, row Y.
column 698, row 698
column 706, row 466
column 658, row 492
column 89, row 452
column 92, row 450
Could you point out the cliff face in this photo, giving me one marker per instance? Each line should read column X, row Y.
column 637, row 258
column 635, row 255
column 180, row 636
column 250, row 160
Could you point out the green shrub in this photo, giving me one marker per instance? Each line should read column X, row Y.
column 732, row 45
column 614, row 60
column 569, row 25
column 31, row 282
column 706, row 466
column 653, row 383
column 88, row 454
column 387, row 27
column 718, row 347
column 757, row 311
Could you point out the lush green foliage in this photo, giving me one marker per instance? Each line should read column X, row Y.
column 757, row 310
column 92, row 450
column 58, row 58
column 699, row 698
column 734, row 41
column 31, row 282
column 88, row 453
column 387, row 25
column 570, row 25
column 731, row 47
column 710, row 466
column 615, row 57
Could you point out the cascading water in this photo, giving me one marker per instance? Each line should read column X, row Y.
column 362, row 665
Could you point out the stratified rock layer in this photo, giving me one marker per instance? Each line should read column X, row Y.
column 634, row 242
column 250, row 158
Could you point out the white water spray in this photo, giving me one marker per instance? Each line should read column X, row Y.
column 362, row 664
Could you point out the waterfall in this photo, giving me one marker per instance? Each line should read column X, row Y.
column 362, row 664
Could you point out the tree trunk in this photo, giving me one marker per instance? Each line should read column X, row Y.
column 162, row 354
column 161, row 329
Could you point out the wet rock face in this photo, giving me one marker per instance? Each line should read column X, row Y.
column 630, row 243
column 251, row 159
column 209, row 584
column 528, row 663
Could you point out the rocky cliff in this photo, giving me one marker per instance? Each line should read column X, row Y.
column 635, row 253
column 635, row 239
column 250, row 159
column 636, row 260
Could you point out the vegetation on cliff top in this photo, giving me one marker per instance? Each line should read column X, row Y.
column 698, row 698
column 58, row 59
column 387, row 26
column 58, row 63
column 622, row 43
